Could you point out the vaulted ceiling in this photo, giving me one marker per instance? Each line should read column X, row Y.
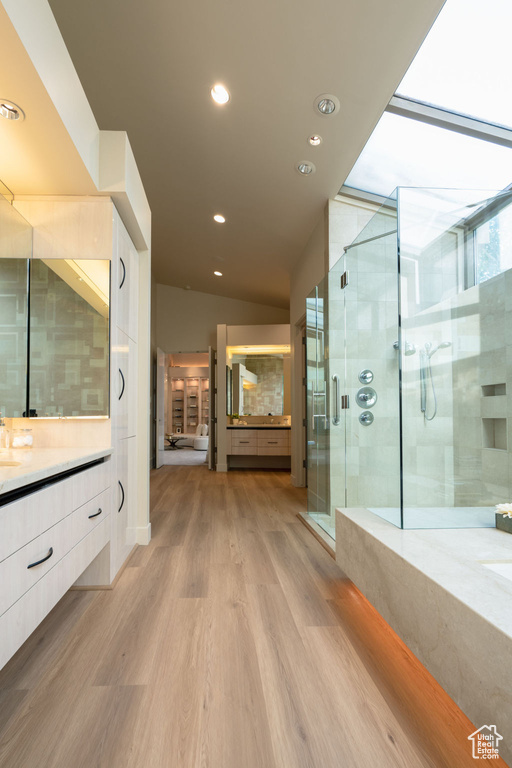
column 147, row 67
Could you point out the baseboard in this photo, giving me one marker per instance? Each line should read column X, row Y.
column 143, row 534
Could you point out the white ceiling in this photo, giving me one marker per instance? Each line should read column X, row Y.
column 147, row 67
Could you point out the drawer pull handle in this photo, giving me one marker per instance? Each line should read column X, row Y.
column 244, row 442
column 124, row 273
column 96, row 514
column 33, row 565
column 122, row 389
column 122, row 491
column 272, row 442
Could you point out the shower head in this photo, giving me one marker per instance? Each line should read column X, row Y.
column 409, row 349
column 431, row 350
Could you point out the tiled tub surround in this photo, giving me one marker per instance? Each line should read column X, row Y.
column 435, row 590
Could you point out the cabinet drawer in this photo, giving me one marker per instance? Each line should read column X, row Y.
column 22, row 618
column 23, row 520
column 274, row 434
column 243, row 442
column 243, row 433
column 273, row 450
column 16, row 577
column 272, row 441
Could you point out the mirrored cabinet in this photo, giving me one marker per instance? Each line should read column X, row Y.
column 54, row 329
column 15, row 252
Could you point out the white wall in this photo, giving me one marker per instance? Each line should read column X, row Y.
column 186, row 321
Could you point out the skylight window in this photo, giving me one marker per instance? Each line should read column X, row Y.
column 464, row 63
column 406, row 152
column 493, row 245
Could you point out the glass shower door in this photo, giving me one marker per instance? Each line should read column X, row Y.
column 372, row 368
column 317, row 419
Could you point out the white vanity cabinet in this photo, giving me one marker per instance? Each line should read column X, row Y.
column 259, row 442
column 91, row 228
column 50, row 536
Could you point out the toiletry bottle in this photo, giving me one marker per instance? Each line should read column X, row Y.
column 4, row 434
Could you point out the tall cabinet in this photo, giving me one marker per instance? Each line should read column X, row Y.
column 91, row 228
column 124, row 331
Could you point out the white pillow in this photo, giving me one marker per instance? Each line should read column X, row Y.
column 204, row 431
column 199, row 430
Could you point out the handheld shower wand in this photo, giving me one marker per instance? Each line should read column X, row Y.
column 426, row 372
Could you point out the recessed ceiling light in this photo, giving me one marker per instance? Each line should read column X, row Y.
column 327, row 104
column 315, row 140
column 305, row 167
column 218, row 274
column 11, row 111
column 220, row 94
column 219, row 218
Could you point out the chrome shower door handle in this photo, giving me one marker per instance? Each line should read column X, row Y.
column 337, row 402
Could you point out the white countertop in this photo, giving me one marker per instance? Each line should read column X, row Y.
column 40, row 463
column 453, row 559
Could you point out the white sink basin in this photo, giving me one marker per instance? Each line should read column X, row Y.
column 501, row 567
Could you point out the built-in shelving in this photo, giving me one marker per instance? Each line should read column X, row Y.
column 189, row 403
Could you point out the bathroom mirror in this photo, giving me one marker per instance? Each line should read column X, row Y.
column 15, row 250
column 69, row 338
column 259, row 383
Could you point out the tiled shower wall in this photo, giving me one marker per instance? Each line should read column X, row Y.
column 482, row 319
column 362, row 326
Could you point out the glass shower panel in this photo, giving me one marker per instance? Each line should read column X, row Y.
column 317, row 427
column 372, row 368
column 454, row 381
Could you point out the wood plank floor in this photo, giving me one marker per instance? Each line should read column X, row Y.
column 232, row 641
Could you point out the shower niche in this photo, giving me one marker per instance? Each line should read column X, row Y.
column 414, row 301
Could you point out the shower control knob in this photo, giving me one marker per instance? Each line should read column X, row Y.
column 366, row 376
column 366, row 418
column 366, row 397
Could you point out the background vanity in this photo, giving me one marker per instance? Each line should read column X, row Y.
column 69, row 311
column 255, row 387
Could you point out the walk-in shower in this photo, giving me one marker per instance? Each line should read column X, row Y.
column 418, row 300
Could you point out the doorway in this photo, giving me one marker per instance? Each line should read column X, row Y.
column 183, row 403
